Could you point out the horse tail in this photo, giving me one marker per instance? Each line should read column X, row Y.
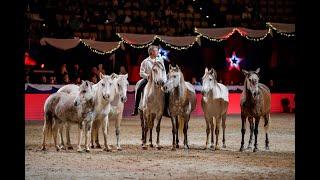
column 181, row 125
column 48, row 122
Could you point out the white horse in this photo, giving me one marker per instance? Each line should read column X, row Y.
column 60, row 108
column 182, row 101
column 102, row 98
column 214, row 103
column 119, row 89
column 152, row 103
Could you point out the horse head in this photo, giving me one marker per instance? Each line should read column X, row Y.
column 104, row 86
column 121, row 84
column 209, row 80
column 158, row 74
column 174, row 78
column 251, row 82
column 85, row 93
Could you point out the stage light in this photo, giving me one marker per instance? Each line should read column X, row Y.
column 234, row 61
column 207, row 16
column 42, row 66
column 163, row 53
column 200, row 8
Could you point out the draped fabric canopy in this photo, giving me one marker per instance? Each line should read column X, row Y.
column 176, row 42
column 66, row 44
column 143, row 39
column 225, row 33
column 282, row 27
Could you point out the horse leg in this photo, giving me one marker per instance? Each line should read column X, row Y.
column 55, row 129
column 251, row 132
column 217, row 131
column 105, row 128
column 185, row 131
column 177, row 132
column 266, row 128
column 158, row 132
column 118, row 122
column 212, row 133
column 68, row 126
column 256, row 125
column 150, row 137
column 142, row 118
column 243, row 130
column 146, row 127
column 87, row 135
column 174, row 129
column 224, row 117
column 62, row 145
column 80, row 136
column 207, row 131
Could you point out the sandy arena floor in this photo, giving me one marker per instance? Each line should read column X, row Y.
column 134, row 163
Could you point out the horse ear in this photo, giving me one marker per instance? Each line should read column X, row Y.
column 87, row 83
column 113, row 75
column 206, row 70
column 101, row 75
column 170, row 66
column 245, row 72
column 257, row 71
column 177, row 66
column 126, row 76
column 82, row 81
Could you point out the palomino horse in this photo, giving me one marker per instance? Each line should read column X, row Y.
column 214, row 102
column 254, row 102
column 182, row 101
column 119, row 89
column 152, row 103
column 60, row 108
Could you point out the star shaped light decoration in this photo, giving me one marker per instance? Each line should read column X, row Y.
column 163, row 53
column 234, row 61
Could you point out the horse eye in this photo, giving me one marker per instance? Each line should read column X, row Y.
column 210, row 79
column 110, row 84
column 174, row 76
column 102, row 84
column 118, row 85
column 84, row 91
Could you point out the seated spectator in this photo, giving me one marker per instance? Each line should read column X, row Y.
column 122, row 70
column 75, row 73
column 27, row 79
column 43, row 80
column 101, row 69
column 61, row 74
column 94, row 79
column 195, row 82
column 52, row 80
column 66, row 79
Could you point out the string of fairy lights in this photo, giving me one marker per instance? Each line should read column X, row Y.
column 279, row 31
column 100, row 52
column 197, row 39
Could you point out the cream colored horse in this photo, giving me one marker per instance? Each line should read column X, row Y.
column 182, row 101
column 102, row 97
column 214, row 103
column 60, row 108
column 152, row 103
column 119, row 89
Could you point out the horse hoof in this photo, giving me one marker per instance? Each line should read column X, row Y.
column 63, row 147
column 241, row 149
column 267, row 148
column 186, row 147
column 249, row 148
column 151, row 145
column 43, row 148
column 80, row 150
column 87, row 150
column 144, row 147
column 224, row 146
column 255, row 149
column 92, row 146
column 217, row 148
column 173, row 149
column 119, row 148
column 98, row 146
column 70, row 148
column 159, row 147
column 177, row 146
column 107, row 149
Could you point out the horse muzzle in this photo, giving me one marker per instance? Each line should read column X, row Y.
column 124, row 99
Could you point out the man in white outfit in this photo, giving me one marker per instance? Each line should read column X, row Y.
column 145, row 70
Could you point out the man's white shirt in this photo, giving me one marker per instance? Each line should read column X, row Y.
column 146, row 66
